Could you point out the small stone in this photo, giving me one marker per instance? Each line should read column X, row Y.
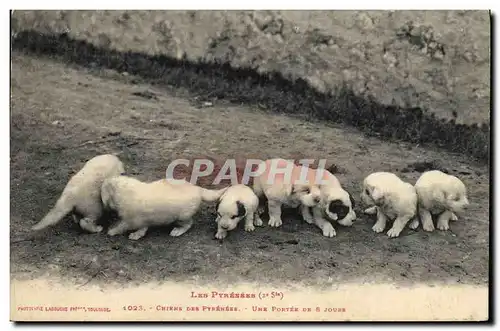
column 390, row 59
column 125, row 73
column 115, row 132
column 468, row 56
column 207, row 104
column 364, row 22
column 348, row 75
column 58, row 123
column 278, row 39
column 438, row 55
column 358, row 53
column 321, row 47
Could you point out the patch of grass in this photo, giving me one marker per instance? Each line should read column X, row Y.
column 276, row 93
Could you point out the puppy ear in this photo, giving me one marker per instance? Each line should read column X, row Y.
column 241, row 209
column 337, row 207
column 378, row 196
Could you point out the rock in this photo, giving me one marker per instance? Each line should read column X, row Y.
column 390, row 59
column 438, row 54
column 364, row 22
column 58, row 123
column 114, row 132
column 468, row 56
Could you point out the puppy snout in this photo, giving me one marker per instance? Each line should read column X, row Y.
column 317, row 199
column 225, row 227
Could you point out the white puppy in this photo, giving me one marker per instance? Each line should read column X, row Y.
column 280, row 183
column 439, row 193
column 140, row 205
column 237, row 202
column 82, row 194
column 392, row 199
column 336, row 203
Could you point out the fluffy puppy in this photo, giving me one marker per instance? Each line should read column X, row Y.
column 82, row 194
column 391, row 198
column 284, row 188
column 336, row 203
column 140, row 205
column 237, row 202
column 439, row 193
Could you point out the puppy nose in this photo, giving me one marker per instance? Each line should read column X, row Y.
column 316, row 199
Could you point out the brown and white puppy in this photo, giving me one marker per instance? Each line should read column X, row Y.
column 238, row 202
column 439, row 194
column 280, row 181
column 336, row 203
column 391, row 198
column 140, row 205
column 82, row 194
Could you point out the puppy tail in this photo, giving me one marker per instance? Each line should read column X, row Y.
column 211, row 195
column 62, row 208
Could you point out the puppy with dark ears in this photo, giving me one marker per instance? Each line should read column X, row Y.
column 336, row 204
column 238, row 202
column 390, row 198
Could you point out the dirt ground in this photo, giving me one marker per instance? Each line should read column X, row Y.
column 62, row 116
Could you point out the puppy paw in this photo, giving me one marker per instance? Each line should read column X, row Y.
column 371, row 210
column 429, row 227
column 221, row 235
column 453, row 217
column 308, row 219
column 249, row 227
column 443, row 226
column 328, row 230
column 258, row 221
column 275, row 222
column 135, row 236
column 393, row 233
column 88, row 225
column 176, row 232
column 414, row 224
column 378, row 228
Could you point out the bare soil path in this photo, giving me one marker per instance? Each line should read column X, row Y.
column 63, row 116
